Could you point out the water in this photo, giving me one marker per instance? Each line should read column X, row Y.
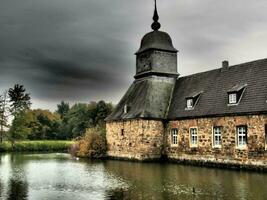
column 58, row 176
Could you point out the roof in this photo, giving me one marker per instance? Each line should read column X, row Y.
column 156, row 40
column 215, row 85
column 146, row 98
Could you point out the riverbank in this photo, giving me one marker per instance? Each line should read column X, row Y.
column 40, row 145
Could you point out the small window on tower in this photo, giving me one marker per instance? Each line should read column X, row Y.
column 125, row 109
column 122, row 132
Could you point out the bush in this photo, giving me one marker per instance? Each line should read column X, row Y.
column 93, row 144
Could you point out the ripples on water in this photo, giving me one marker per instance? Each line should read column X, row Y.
column 58, row 176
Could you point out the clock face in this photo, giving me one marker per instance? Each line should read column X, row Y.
column 144, row 62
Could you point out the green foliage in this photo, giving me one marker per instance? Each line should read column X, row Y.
column 62, row 109
column 42, row 145
column 19, row 129
column 19, row 99
column 93, row 144
column 43, row 124
column 83, row 116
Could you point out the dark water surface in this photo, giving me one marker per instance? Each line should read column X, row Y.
column 58, row 176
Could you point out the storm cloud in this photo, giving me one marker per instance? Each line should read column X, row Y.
column 83, row 50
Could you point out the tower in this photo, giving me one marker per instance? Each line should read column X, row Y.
column 156, row 55
column 136, row 127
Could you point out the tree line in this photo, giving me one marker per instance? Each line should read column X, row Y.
column 67, row 122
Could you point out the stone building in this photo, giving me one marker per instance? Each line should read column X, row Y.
column 214, row 117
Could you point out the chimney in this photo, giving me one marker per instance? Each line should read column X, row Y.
column 225, row 64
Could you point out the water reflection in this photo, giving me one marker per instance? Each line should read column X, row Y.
column 18, row 190
column 57, row 176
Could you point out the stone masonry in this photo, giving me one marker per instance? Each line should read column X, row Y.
column 135, row 139
column 254, row 153
column 149, row 140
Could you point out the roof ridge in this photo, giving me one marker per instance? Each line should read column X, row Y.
column 232, row 66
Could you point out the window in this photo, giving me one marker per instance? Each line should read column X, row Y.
column 174, row 136
column 265, row 136
column 232, row 98
column 217, row 136
column 189, row 103
column 241, row 136
column 125, row 109
column 122, row 132
column 193, row 137
column 235, row 94
column 192, row 100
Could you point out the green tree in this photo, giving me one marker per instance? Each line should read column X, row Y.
column 19, row 128
column 20, row 103
column 19, row 99
column 3, row 114
column 62, row 109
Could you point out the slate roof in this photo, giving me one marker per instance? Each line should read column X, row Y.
column 146, row 98
column 156, row 40
column 215, row 85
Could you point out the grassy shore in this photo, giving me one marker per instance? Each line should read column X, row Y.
column 40, row 145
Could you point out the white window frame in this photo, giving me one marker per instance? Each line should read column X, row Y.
column 189, row 103
column 174, row 137
column 217, row 133
column 193, row 133
column 243, row 133
column 232, row 98
column 265, row 134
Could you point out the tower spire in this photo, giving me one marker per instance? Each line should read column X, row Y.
column 155, row 25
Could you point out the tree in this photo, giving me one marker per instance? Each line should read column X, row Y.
column 19, row 128
column 3, row 114
column 62, row 109
column 19, row 99
column 20, row 103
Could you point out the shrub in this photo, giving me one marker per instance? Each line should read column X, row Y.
column 93, row 144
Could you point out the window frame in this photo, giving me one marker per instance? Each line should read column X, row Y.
column 191, row 104
column 265, row 136
column 243, row 135
column 174, row 137
column 230, row 100
column 214, row 135
column 193, row 144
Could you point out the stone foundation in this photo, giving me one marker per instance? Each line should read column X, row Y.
column 149, row 140
column 135, row 139
column 229, row 153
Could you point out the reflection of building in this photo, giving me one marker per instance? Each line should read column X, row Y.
column 216, row 116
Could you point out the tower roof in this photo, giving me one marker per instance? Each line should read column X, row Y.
column 156, row 39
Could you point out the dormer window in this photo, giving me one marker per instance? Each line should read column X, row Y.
column 232, row 98
column 235, row 94
column 192, row 100
column 125, row 109
column 189, row 103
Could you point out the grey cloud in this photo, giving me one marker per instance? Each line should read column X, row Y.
column 84, row 50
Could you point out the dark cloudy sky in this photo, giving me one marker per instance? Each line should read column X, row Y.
column 83, row 50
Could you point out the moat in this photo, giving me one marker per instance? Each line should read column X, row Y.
column 59, row 176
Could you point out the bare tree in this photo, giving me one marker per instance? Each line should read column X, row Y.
column 3, row 114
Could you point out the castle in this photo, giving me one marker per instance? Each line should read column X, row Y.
column 215, row 117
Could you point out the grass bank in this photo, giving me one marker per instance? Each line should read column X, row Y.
column 40, row 145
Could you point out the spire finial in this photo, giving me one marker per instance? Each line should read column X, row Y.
column 155, row 25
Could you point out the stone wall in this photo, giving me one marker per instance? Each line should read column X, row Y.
column 135, row 139
column 253, row 154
